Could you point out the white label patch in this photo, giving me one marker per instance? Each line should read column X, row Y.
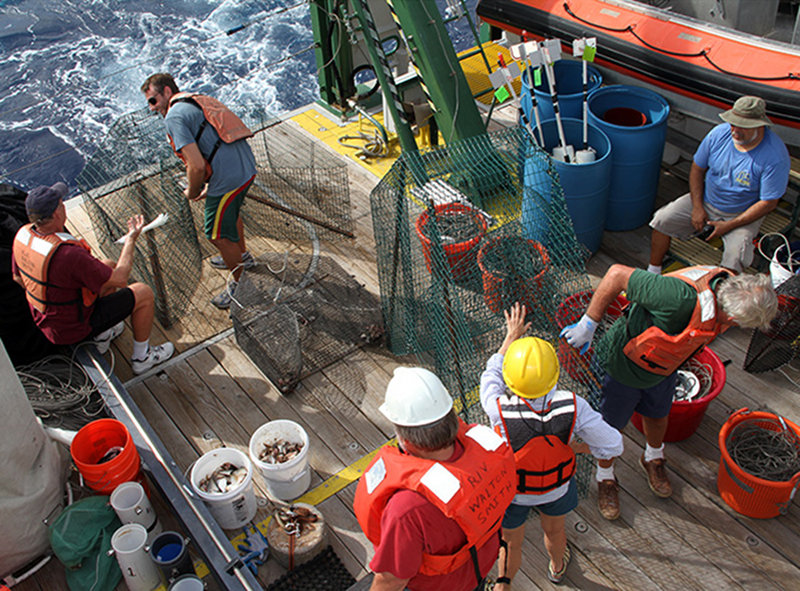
column 41, row 246
column 695, row 274
column 375, row 475
column 441, row 482
column 708, row 307
column 486, row 437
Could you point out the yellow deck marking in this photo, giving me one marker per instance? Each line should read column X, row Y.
column 475, row 70
column 315, row 496
column 328, row 132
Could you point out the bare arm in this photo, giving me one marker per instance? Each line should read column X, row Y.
column 613, row 283
column 122, row 270
column 195, row 171
column 697, row 182
column 388, row 582
column 755, row 212
column 515, row 326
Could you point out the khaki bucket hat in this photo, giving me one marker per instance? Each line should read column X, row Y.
column 747, row 112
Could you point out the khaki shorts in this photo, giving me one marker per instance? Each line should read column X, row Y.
column 675, row 220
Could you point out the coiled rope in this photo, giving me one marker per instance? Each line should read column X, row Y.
column 61, row 392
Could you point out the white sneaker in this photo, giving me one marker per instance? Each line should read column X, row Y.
column 103, row 340
column 155, row 355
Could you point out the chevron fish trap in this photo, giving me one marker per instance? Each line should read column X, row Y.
column 778, row 345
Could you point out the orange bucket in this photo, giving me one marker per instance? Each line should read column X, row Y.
column 97, row 440
column 501, row 289
column 747, row 494
column 460, row 256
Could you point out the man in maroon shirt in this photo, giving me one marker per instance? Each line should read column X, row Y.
column 74, row 296
column 432, row 507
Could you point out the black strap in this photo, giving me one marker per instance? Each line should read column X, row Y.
column 504, row 580
column 474, row 554
column 201, row 129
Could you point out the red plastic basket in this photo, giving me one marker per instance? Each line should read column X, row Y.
column 685, row 416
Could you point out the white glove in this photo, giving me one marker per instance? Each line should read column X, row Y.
column 580, row 334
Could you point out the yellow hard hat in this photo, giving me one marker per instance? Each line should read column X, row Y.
column 530, row 367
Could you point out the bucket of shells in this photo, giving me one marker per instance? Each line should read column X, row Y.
column 279, row 449
column 223, row 478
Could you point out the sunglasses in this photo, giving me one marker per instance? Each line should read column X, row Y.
column 152, row 100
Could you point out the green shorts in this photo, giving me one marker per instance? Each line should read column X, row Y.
column 222, row 213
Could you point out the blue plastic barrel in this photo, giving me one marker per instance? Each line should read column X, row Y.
column 569, row 86
column 585, row 185
column 637, row 143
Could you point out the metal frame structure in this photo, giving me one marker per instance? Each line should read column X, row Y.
column 222, row 559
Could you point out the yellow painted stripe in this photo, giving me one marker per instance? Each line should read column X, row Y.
column 223, row 203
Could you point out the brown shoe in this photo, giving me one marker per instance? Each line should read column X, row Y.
column 608, row 499
column 657, row 476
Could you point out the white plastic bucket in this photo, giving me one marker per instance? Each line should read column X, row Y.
column 128, row 544
column 234, row 508
column 287, row 480
column 778, row 270
column 187, row 583
column 132, row 506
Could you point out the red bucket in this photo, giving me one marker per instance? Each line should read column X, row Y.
column 92, row 443
column 569, row 313
column 743, row 492
column 498, row 288
column 460, row 256
column 625, row 117
column 685, row 416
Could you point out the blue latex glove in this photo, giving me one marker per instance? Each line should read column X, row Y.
column 580, row 334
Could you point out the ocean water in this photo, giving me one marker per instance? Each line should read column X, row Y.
column 70, row 68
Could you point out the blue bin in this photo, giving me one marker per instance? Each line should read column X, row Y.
column 635, row 120
column 585, row 185
column 569, row 86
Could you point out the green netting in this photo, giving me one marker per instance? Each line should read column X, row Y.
column 463, row 232
column 298, row 193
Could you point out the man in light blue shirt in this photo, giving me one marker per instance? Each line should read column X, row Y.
column 739, row 173
column 231, row 166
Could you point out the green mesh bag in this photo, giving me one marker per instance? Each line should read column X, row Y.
column 81, row 538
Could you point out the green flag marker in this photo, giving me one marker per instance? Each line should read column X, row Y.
column 501, row 94
column 537, row 77
column 589, row 53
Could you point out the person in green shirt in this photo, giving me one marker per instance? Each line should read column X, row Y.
column 666, row 303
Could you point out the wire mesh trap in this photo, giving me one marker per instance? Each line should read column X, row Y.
column 779, row 344
column 765, row 448
column 298, row 193
column 462, row 232
column 296, row 314
column 324, row 571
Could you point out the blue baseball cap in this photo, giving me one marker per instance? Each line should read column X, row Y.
column 42, row 201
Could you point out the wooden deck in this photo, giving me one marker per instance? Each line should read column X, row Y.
column 213, row 395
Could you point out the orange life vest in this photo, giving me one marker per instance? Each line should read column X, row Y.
column 474, row 490
column 228, row 126
column 540, row 440
column 32, row 253
column 661, row 353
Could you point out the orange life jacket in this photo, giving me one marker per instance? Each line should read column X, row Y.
column 474, row 490
column 540, row 440
column 661, row 353
column 228, row 126
column 32, row 253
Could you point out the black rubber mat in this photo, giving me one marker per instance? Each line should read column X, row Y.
column 324, row 571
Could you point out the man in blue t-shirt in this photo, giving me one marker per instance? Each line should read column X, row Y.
column 739, row 173
column 233, row 170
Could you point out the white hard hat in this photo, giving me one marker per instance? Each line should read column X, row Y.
column 414, row 397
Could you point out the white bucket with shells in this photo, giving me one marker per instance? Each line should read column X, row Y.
column 223, row 478
column 280, row 451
